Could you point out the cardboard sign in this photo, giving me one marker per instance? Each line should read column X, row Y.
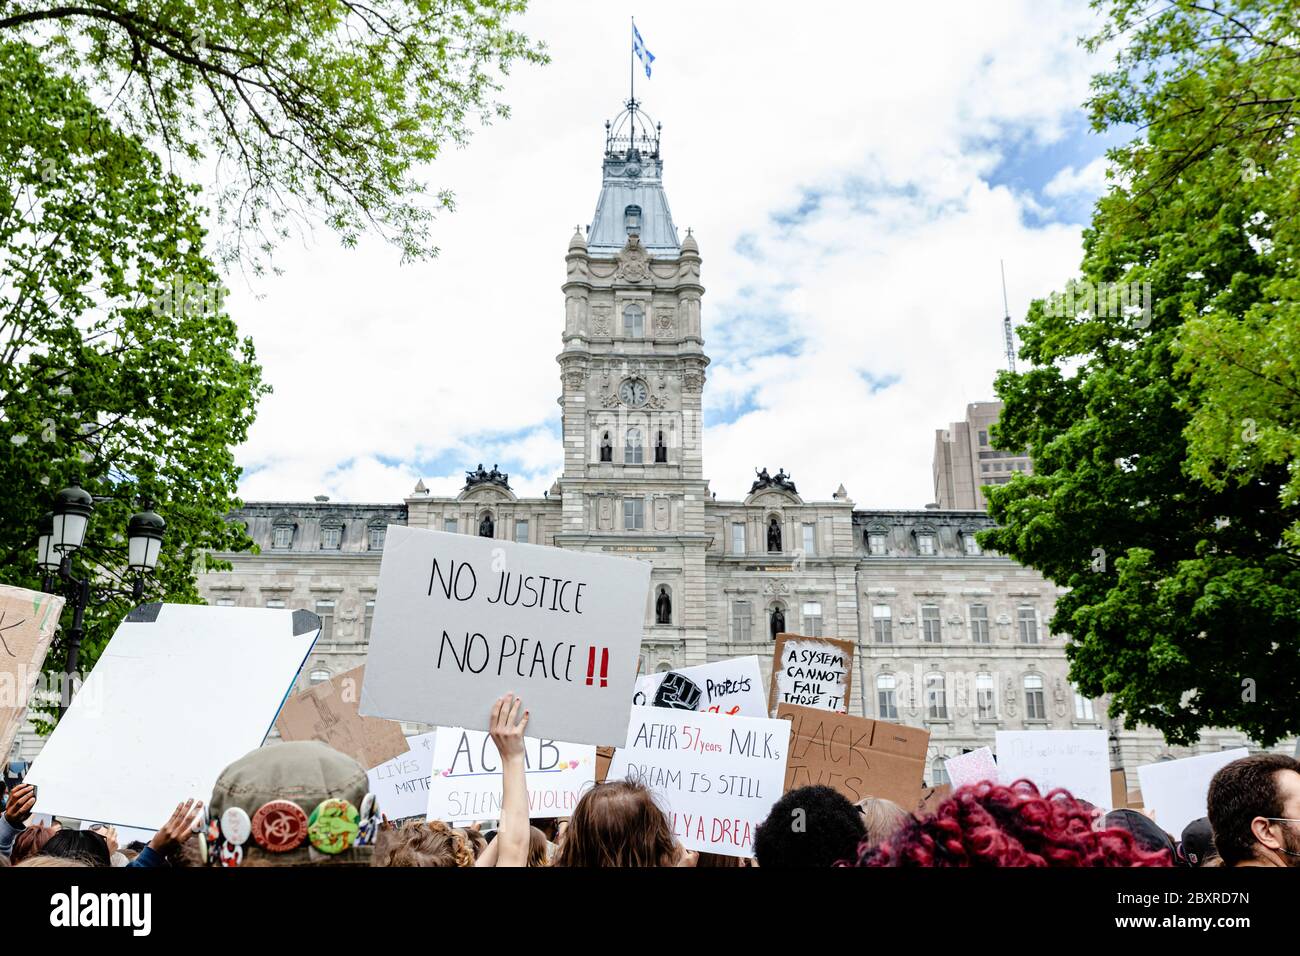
column 604, row 755
column 1175, row 791
column 1078, row 760
column 460, row 620
column 931, row 797
column 401, row 785
column 28, row 620
column 179, row 692
column 1118, row 790
column 857, row 756
column 973, row 767
column 466, row 781
column 328, row 712
column 732, row 687
column 716, row 777
column 812, row 672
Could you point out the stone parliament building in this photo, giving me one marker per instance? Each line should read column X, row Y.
column 948, row 637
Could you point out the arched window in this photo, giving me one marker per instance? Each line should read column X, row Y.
column 936, row 697
column 886, row 696
column 634, row 322
column 939, row 773
column 632, row 219
column 633, row 453
column 606, row 448
column 319, row 676
column 986, row 707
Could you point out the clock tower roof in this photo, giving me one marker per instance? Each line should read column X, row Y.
column 632, row 198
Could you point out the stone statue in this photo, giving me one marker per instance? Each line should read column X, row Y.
column 763, row 480
column 479, row 476
column 780, row 481
column 486, row 529
column 773, row 536
column 663, row 608
column 778, row 622
column 606, row 448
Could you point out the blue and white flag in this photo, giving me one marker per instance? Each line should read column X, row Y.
column 638, row 47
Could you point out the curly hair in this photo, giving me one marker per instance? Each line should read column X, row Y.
column 617, row 824
column 809, row 826
column 987, row 824
column 417, row 843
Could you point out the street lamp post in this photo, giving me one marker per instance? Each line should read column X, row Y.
column 62, row 532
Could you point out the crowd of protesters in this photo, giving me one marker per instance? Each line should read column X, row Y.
column 305, row 804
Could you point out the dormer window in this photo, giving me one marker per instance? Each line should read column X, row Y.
column 634, row 322
column 632, row 220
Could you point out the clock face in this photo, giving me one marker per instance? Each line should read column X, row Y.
column 633, row 392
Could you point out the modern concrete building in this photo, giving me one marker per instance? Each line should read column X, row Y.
column 965, row 460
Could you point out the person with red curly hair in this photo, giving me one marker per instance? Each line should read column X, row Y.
column 987, row 824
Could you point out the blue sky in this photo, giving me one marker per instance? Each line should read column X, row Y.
column 851, row 199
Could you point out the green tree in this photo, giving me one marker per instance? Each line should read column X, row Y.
column 325, row 109
column 118, row 367
column 1164, row 438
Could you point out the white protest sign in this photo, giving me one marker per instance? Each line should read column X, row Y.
column 466, row 781
column 716, row 777
column 1176, row 790
column 460, row 620
column 401, row 785
column 973, row 767
column 179, row 692
column 1078, row 760
column 811, row 672
column 732, row 687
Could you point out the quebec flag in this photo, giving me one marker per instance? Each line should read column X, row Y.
column 638, row 47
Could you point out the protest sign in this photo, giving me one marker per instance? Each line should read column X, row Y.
column 732, row 687
column 716, row 777
column 328, row 712
column 466, row 782
column 857, row 756
column 931, row 797
column 971, row 767
column 603, row 757
column 1175, row 791
column 1118, row 790
column 28, row 620
column 401, row 785
column 1078, row 760
column 460, row 620
column 812, row 672
column 178, row 693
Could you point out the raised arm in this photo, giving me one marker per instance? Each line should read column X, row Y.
column 508, row 735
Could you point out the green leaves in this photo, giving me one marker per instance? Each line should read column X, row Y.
column 1166, row 493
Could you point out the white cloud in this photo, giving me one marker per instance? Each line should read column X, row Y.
column 382, row 371
column 1088, row 181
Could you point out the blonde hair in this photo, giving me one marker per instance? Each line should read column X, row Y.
column 417, row 843
column 883, row 818
column 52, row 861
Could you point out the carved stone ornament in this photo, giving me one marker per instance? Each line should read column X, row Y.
column 665, row 325
column 693, row 380
column 776, row 587
column 600, row 319
column 633, row 262
column 575, row 377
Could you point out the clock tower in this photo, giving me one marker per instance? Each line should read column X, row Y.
column 632, row 370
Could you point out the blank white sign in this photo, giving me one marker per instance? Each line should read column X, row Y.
column 170, row 703
column 1078, row 760
column 1175, row 790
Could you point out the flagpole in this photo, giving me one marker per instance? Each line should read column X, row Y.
column 631, row 62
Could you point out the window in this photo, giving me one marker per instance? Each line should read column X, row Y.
column 283, row 536
column 632, row 451
column 634, row 322
column 319, row 676
column 809, row 540
column 979, row 623
column 375, row 535
column 875, row 543
column 986, row 707
column 225, row 602
column 274, row 603
column 984, row 438
column 1035, row 704
column 737, row 537
column 972, row 546
column 939, row 773
column 331, row 537
column 521, row 530
column 661, row 449
column 741, row 619
column 1083, row 709
column 925, row 543
column 936, row 697
column 930, row 624
column 634, row 514
column 1028, row 620
column 882, row 625
column 370, row 618
column 812, row 618
column 632, row 219
column 886, row 697
column 450, row 525
column 325, row 611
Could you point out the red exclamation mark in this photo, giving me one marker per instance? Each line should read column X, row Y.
column 604, row 667
column 591, row 664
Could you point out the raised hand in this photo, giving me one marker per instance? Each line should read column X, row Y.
column 506, row 727
column 179, row 826
column 22, row 799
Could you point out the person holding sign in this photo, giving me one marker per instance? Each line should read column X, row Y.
column 510, row 848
